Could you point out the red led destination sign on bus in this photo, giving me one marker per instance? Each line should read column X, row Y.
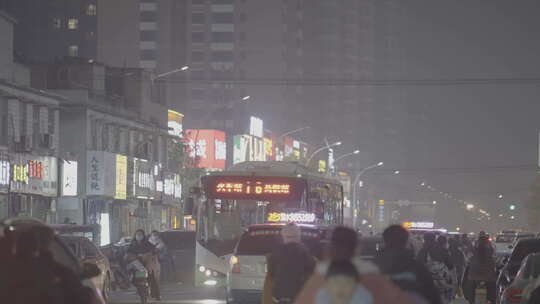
column 253, row 188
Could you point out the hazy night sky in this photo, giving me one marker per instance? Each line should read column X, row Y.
column 471, row 125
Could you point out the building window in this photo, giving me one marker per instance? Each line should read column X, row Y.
column 57, row 23
column 148, row 54
column 91, row 10
column 198, row 18
column 148, row 35
column 223, row 17
column 222, row 37
column 148, row 16
column 73, row 51
column 197, row 56
column 197, row 37
column 73, row 23
column 222, row 56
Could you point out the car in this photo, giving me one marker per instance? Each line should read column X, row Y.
column 247, row 271
column 504, row 243
column 181, row 246
column 87, row 252
column 510, row 269
column 526, row 276
column 61, row 254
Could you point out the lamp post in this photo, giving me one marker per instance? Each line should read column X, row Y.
column 355, row 185
column 338, row 143
column 347, row 154
column 293, row 131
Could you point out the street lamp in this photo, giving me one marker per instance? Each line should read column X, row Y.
column 154, row 77
column 355, row 185
column 246, row 98
column 470, row 206
column 347, row 154
column 338, row 143
column 434, row 202
column 396, row 172
column 293, row 131
column 500, row 196
column 512, row 207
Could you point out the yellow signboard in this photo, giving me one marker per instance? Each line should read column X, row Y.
column 322, row 166
column 121, row 177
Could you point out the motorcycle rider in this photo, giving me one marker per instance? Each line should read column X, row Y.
column 141, row 247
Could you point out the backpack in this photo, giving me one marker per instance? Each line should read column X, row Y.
column 293, row 266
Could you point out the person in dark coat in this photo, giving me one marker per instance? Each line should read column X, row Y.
column 397, row 261
column 481, row 268
column 289, row 266
column 141, row 247
column 435, row 251
column 458, row 258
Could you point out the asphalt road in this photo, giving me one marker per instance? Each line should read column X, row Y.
column 173, row 293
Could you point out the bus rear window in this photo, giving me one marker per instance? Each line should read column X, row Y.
column 258, row 243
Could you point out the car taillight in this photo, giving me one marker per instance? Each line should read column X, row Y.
column 235, row 264
column 514, row 295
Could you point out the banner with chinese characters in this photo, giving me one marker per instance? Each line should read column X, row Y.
column 4, row 172
column 69, row 178
column 34, row 174
column 100, row 173
column 144, row 185
column 207, row 147
column 121, row 177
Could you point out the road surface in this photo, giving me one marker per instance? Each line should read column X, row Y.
column 173, row 293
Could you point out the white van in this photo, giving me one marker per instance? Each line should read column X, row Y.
column 245, row 278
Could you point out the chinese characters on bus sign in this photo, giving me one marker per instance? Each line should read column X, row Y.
column 249, row 187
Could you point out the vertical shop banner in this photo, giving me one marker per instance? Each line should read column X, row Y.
column 69, row 178
column 241, row 148
column 208, row 147
column 175, row 123
column 269, row 148
column 144, row 185
column 322, row 166
column 100, row 173
column 4, row 172
column 121, row 177
column 256, row 149
column 288, row 147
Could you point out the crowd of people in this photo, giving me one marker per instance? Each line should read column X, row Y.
column 442, row 270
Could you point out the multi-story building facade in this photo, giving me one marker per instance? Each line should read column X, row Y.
column 50, row 30
column 29, row 139
column 114, row 140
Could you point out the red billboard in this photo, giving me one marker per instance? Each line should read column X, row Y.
column 207, row 147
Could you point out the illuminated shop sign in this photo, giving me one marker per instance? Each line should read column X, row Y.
column 419, row 225
column 175, row 123
column 144, row 185
column 100, row 173
column 278, row 217
column 34, row 174
column 69, row 178
column 121, row 177
column 208, row 147
column 4, row 172
column 256, row 127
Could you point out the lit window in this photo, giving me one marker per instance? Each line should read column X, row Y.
column 57, row 23
column 73, row 51
column 73, row 23
column 91, row 10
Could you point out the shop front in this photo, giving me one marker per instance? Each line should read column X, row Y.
column 169, row 192
column 106, row 188
column 33, row 186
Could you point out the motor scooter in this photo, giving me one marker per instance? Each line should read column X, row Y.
column 139, row 277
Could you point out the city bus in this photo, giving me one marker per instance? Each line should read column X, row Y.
column 256, row 193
